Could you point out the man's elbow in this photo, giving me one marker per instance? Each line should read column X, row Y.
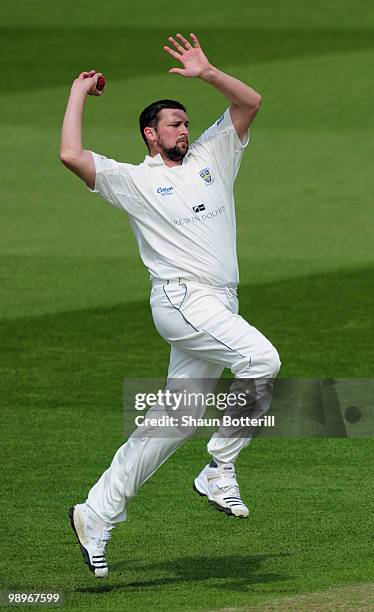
column 251, row 105
column 64, row 157
column 256, row 102
column 68, row 157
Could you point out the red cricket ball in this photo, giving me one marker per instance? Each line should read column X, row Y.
column 100, row 83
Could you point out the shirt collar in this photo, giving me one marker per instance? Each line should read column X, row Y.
column 154, row 161
column 158, row 161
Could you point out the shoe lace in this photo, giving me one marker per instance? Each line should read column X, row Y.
column 106, row 534
column 227, row 483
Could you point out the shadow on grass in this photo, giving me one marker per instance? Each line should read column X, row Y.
column 234, row 573
column 55, row 54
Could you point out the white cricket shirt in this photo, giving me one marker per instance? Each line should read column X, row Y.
column 183, row 217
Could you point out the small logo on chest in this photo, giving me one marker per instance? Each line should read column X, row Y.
column 198, row 208
column 206, row 176
column 165, row 191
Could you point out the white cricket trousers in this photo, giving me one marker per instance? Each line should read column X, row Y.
column 206, row 334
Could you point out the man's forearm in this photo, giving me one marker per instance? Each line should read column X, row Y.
column 237, row 92
column 71, row 134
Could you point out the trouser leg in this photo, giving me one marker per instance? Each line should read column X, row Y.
column 253, row 401
column 149, row 447
column 134, row 462
column 226, row 444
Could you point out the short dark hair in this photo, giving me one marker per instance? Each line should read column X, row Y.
column 149, row 116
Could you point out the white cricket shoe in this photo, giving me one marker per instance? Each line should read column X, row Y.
column 221, row 488
column 93, row 535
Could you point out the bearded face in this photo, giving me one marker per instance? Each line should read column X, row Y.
column 170, row 136
column 176, row 152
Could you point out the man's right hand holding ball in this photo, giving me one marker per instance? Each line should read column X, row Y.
column 91, row 82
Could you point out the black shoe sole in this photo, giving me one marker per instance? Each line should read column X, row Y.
column 84, row 552
column 226, row 511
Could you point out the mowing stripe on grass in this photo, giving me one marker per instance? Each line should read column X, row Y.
column 344, row 599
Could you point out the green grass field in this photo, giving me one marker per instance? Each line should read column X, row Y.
column 75, row 319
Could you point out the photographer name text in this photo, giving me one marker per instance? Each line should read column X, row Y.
column 190, row 421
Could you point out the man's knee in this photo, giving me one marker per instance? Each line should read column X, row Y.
column 273, row 362
column 265, row 364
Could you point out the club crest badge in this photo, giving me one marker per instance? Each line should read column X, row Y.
column 206, row 176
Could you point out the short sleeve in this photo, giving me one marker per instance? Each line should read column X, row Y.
column 114, row 182
column 222, row 141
